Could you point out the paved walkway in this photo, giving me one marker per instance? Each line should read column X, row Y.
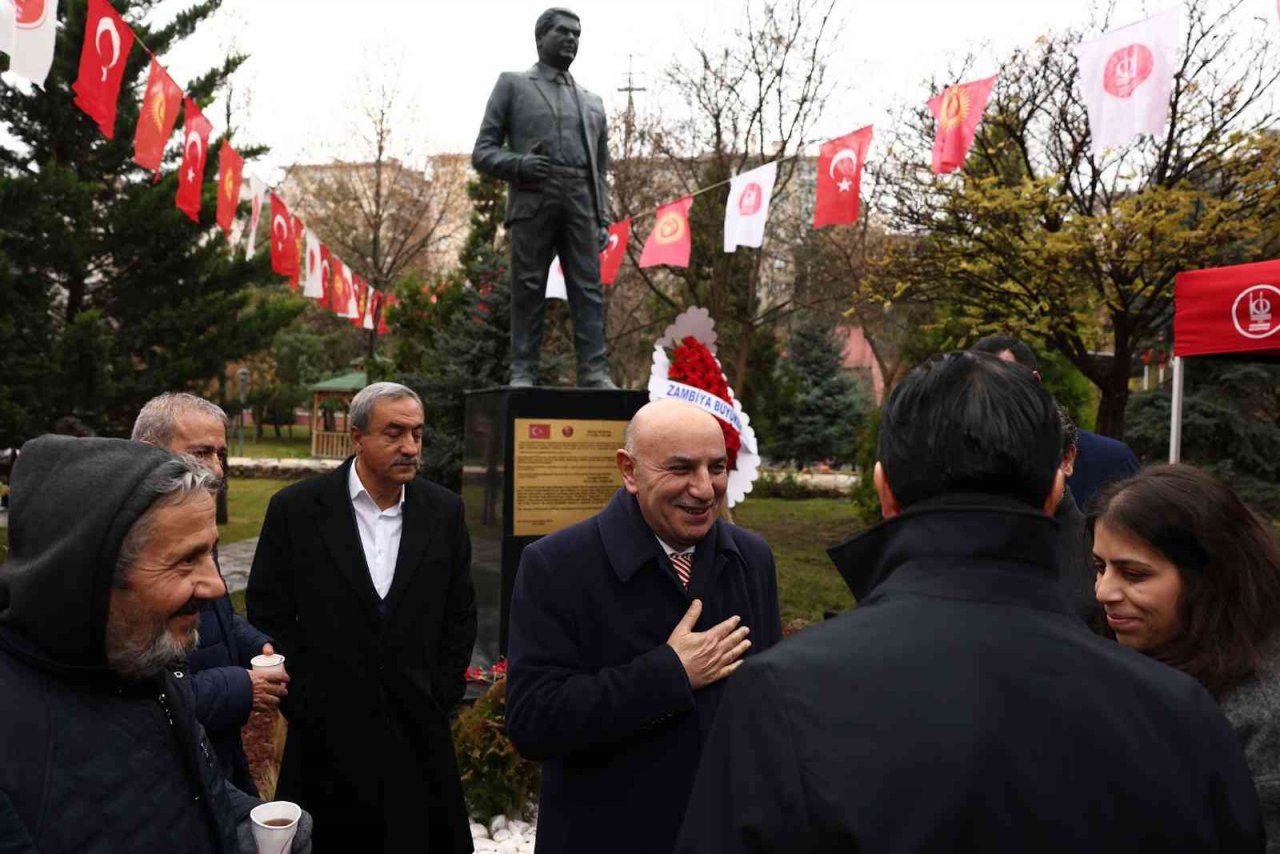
column 236, row 559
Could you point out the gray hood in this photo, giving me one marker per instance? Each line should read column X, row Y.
column 72, row 501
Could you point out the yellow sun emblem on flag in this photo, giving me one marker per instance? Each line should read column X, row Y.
column 228, row 183
column 955, row 106
column 670, row 228
column 156, row 107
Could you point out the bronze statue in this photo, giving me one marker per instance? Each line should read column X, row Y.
column 546, row 136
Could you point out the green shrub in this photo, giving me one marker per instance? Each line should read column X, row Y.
column 496, row 780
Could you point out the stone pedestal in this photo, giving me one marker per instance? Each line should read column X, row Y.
column 536, row 460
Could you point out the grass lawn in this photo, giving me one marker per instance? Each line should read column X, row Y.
column 799, row 532
column 247, row 506
column 299, row 445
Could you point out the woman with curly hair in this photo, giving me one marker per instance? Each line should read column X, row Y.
column 1190, row 576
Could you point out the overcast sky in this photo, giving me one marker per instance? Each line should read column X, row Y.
column 300, row 90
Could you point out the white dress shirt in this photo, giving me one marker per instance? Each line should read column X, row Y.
column 379, row 532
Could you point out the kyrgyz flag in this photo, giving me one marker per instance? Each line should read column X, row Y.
column 230, row 172
column 28, row 30
column 1126, row 76
column 840, row 178
column 284, row 256
column 614, row 251
column 669, row 242
column 156, row 118
column 107, row 41
column 747, row 209
column 957, row 111
column 326, row 275
column 340, row 298
column 195, row 150
column 299, row 243
column 361, row 289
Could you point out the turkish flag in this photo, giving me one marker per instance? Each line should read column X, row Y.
column 107, row 42
column 840, row 178
column 341, row 296
column 195, row 150
column 669, row 243
column 230, row 174
column 957, row 111
column 156, row 118
column 1227, row 310
column 284, row 255
column 616, row 250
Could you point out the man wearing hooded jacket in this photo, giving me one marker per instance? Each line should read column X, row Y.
column 961, row 706
column 99, row 747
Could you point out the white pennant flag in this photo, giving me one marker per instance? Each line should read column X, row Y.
column 1126, row 76
column 313, row 284
column 747, row 209
column 555, row 281
column 257, row 189
column 28, row 29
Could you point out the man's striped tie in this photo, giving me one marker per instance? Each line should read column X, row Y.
column 684, row 565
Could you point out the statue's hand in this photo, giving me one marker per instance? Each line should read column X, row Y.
column 535, row 166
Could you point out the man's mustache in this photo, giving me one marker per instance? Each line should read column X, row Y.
column 407, row 461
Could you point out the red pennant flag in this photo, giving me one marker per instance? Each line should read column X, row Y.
column 299, row 245
column 283, row 244
column 669, row 241
column 957, row 110
column 361, row 288
column 156, row 118
column 340, row 283
column 326, row 275
column 840, row 178
column 613, row 253
column 195, row 150
column 230, row 174
column 107, row 42
column 385, row 302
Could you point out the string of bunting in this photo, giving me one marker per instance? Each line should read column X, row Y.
column 1126, row 76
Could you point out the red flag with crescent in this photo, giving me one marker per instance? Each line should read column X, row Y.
column 156, row 117
column 957, row 111
column 840, row 178
column 340, row 294
column 669, row 241
column 326, row 275
column 284, row 256
column 230, row 174
column 107, row 42
column 361, row 290
column 195, row 151
column 614, row 251
column 385, row 302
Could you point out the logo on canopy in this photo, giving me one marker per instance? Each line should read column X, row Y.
column 1255, row 311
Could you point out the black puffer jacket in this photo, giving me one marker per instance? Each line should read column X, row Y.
column 90, row 762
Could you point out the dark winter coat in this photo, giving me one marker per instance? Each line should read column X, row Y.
column 219, row 671
column 962, row 707
column 369, row 751
column 90, row 762
column 1253, row 709
column 1099, row 461
column 595, row 693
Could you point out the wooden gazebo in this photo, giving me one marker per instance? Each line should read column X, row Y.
column 330, row 404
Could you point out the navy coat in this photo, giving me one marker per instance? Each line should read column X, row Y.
column 595, row 693
column 962, row 707
column 219, row 671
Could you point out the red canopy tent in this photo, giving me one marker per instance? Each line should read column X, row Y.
column 1222, row 311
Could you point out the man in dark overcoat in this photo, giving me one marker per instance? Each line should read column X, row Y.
column 547, row 137
column 623, row 629
column 962, row 706
column 363, row 578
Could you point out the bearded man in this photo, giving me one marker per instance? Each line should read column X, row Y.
column 100, row 750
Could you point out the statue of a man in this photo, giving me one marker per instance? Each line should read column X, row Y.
column 546, row 136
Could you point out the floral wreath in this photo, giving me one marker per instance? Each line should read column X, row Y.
column 685, row 367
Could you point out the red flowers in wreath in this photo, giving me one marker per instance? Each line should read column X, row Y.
column 693, row 364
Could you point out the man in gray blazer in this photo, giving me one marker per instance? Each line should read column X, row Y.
column 546, row 136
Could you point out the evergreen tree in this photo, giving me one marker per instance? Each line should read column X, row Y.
column 829, row 406
column 117, row 295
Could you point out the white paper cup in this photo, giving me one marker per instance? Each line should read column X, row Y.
column 274, row 825
column 268, row 662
